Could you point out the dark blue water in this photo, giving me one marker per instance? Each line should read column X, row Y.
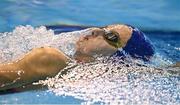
column 159, row 14
column 158, row 19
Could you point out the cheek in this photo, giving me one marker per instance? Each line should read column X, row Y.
column 87, row 46
column 98, row 46
column 94, row 44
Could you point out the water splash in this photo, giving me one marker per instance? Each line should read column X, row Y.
column 116, row 82
column 24, row 38
column 107, row 80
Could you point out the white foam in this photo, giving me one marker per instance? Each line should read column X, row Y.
column 177, row 48
column 24, row 38
column 115, row 82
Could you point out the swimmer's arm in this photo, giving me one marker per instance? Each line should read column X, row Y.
column 13, row 76
column 10, row 76
column 38, row 64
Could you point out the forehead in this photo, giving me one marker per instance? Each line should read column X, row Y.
column 117, row 27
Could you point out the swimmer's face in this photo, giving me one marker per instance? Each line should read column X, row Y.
column 104, row 41
column 95, row 44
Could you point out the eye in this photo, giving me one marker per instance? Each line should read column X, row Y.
column 112, row 36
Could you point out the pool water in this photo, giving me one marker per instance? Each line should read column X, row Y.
column 121, row 84
column 159, row 14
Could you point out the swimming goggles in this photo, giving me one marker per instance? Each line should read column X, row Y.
column 113, row 38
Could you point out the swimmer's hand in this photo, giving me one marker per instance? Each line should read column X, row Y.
column 38, row 64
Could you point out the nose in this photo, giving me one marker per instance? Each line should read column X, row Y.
column 94, row 33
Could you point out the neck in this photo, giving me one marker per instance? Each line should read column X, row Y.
column 80, row 57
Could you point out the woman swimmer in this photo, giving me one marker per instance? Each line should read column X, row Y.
column 47, row 62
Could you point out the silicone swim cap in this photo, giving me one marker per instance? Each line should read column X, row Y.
column 138, row 46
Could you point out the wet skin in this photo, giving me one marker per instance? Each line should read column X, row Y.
column 44, row 62
column 37, row 64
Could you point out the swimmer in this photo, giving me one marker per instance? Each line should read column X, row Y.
column 44, row 62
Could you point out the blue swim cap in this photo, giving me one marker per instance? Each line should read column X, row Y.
column 138, row 46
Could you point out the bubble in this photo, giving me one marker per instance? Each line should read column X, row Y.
column 14, row 45
column 113, row 82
